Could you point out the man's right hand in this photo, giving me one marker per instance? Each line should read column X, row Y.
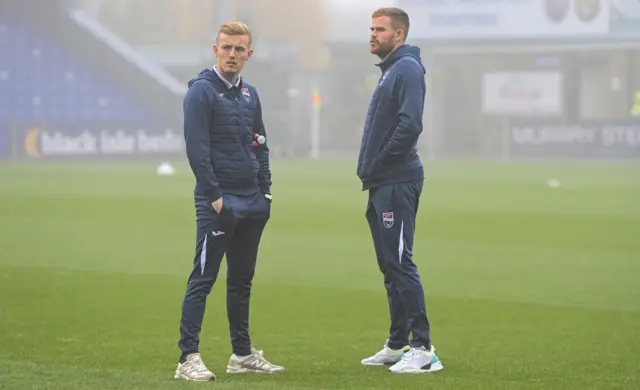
column 217, row 205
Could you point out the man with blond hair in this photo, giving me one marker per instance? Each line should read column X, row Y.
column 227, row 150
column 390, row 169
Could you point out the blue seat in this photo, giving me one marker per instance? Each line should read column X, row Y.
column 40, row 80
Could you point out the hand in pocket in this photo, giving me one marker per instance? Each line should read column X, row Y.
column 217, row 205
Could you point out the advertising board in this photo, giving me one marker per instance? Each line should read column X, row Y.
column 107, row 140
column 507, row 19
column 589, row 139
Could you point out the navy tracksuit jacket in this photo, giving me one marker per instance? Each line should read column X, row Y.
column 390, row 169
column 219, row 122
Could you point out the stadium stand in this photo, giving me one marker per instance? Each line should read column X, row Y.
column 41, row 80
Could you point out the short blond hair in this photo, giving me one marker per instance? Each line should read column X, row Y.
column 235, row 28
column 399, row 18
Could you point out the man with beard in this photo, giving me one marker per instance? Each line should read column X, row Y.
column 390, row 169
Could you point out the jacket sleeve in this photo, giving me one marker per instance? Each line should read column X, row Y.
column 197, row 117
column 262, row 152
column 410, row 87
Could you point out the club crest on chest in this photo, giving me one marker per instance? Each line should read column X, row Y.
column 246, row 94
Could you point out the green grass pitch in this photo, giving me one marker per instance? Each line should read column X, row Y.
column 528, row 287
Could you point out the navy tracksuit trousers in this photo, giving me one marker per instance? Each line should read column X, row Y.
column 391, row 213
column 236, row 232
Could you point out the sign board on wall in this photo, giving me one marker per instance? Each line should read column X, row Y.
column 625, row 17
column 588, row 139
column 522, row 93
column 95, row 141
column 493, row 19
column 504, row 19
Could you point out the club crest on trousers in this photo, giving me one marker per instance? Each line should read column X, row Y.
column 387, row 219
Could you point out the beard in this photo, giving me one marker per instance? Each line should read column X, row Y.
column 382, row 49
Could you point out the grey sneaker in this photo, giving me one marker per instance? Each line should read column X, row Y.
column 251, row 363
column 193, row 369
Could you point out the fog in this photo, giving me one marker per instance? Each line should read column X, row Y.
column 495, row 70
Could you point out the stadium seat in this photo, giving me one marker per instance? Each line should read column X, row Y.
column 39, row 80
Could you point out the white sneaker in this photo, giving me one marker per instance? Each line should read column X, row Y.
column 385, row 357
column 251, row 363
column 418, row 361
column 193, row 369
